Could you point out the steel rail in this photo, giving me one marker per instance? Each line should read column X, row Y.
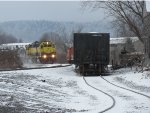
column 125, row 88
column 108, row 108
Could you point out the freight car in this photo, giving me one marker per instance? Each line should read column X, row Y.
column 91, row 52
column 70, row 55
column 45, row 51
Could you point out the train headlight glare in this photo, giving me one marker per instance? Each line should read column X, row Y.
column 53, row 56
column 44, row 56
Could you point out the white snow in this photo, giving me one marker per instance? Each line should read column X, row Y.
column 13, row 45
column 122, row 40
column 62, row 89
column 130, row 78
column 33, row 65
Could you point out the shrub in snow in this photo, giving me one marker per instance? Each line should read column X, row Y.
column 9, row 59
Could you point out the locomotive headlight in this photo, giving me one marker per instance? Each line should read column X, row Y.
column 53, row 56
column 44, row 56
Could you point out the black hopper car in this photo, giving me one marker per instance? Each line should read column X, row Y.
column 91, row 52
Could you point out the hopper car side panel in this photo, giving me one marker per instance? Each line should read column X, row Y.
column 91, row 49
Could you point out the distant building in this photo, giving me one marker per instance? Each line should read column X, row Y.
column 13, row 46
column 118, row 44
column 20, row 47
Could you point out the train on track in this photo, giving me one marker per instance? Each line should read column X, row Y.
column 90, row 52
column 44, row 52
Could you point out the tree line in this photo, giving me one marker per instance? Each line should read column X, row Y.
column 8, row 38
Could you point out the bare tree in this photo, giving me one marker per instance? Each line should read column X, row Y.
column 130, row 13
column 5, row 38
column 78, row 29
column 10, row 59
column 121, row 29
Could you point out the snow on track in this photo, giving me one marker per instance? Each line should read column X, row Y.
column 61, row 90
column 49, row 90
column 37, row 66
column 126, row 88
column 126, row 101
column 113, row 100
column 32, row 65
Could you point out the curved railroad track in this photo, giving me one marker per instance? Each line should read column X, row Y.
column 35, row 68
column 125, row 88
column 112, row 98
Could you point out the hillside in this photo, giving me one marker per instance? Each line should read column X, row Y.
column 32, row 30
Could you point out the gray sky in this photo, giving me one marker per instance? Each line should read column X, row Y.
column 148, row 5
column 47, row 10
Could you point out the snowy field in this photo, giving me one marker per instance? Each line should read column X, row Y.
column 31, row 65
column 61, row 90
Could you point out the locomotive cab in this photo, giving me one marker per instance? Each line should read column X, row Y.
column 48, row 52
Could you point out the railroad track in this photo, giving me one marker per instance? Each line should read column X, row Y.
column 35, row 68
column 112, row 98
column 125, row 88
column 110, row 107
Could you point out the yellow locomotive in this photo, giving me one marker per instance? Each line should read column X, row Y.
column 45, row 51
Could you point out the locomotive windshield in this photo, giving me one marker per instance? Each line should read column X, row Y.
column 47, row 44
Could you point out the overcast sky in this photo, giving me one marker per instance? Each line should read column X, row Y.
column 47, row 10
column 148, row 5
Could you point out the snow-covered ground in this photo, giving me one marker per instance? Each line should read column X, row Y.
column 139, row 81
column 61, row 90
column 32, row 65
